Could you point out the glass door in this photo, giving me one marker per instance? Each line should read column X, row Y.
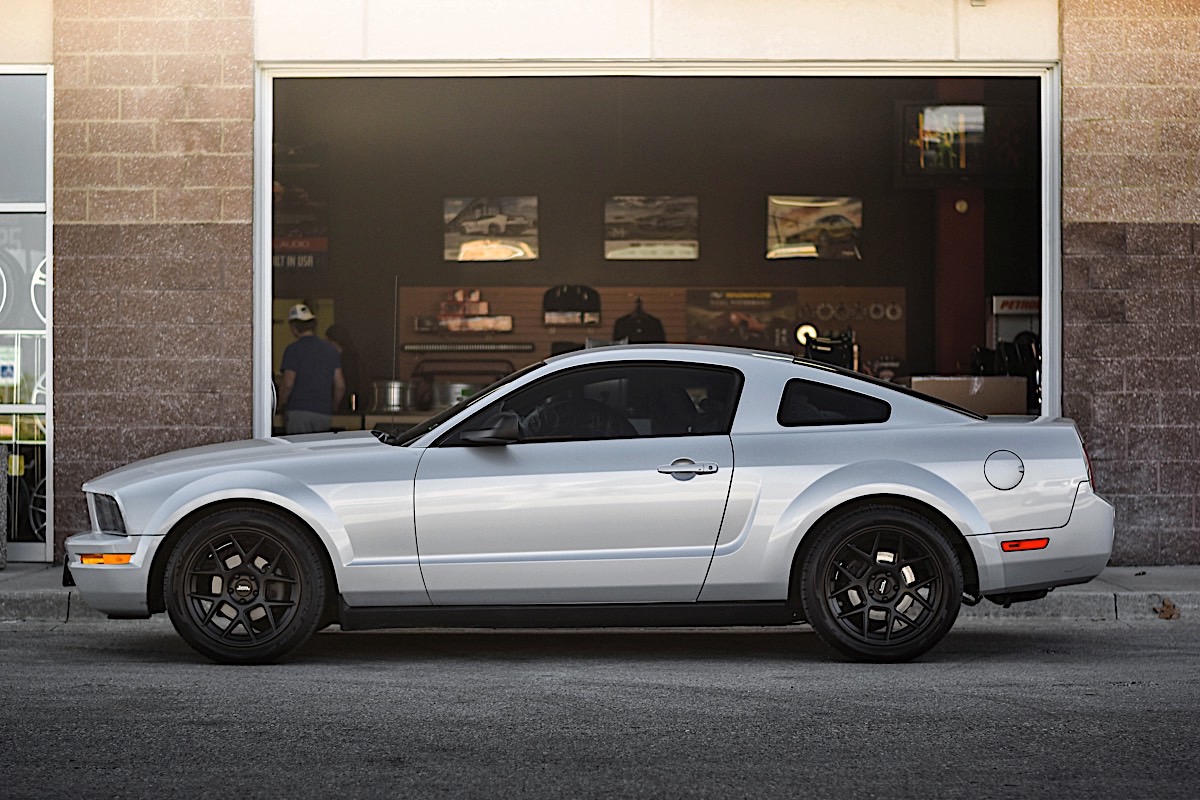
column 24, row 313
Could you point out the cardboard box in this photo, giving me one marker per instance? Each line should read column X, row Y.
column 983, row 394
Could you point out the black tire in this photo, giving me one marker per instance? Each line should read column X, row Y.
column 245, row 586
column 881, row 584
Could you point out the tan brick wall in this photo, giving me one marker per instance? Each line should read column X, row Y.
column 154, row 106
column 1131, row 110
column 1131, row 263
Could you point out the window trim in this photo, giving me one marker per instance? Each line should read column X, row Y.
column 739, row 385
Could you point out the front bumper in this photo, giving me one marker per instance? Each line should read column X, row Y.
column 119, row 590
column 1078, row 551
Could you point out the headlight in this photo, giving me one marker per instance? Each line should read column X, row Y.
column 108, row 514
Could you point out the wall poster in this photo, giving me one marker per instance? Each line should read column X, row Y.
column 759, row 318
column 491, row 228
column 299, row 208
column 652, row 227
column 806, row 226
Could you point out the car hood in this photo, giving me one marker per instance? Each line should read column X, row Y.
column 233, row 455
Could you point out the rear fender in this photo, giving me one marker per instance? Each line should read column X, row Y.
column 755, row 564
column 872, row 478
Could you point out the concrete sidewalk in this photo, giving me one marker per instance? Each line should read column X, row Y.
column 35, row 592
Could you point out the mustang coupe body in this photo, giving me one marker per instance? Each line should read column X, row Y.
column 646, row 484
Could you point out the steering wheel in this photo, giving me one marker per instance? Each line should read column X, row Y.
column 576, row 418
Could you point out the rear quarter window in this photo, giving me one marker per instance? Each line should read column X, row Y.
column 809, row 403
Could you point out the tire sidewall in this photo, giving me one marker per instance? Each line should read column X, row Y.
column 309, row 608
column 832, row 536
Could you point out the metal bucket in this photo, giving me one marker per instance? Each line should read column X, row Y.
column 393, row 396
column 446, row 394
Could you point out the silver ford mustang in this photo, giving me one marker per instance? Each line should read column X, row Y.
column 639, row 485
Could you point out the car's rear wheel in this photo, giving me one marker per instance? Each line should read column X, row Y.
column 245, row 586
column 881, row 583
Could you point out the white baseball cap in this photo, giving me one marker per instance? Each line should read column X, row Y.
column 300, row 313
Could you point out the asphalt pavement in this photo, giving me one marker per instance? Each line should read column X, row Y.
column 34, row 592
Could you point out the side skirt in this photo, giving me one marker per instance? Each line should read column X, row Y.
column 360, row 618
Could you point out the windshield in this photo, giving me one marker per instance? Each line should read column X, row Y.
column 414, row 433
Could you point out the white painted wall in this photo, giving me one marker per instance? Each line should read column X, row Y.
column 646, row 30
column 26, row 31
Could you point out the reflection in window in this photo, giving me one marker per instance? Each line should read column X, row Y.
column 630, row 400
column 808, row 403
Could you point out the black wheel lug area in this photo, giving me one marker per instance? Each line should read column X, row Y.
column 883, row 586
column 243, row 587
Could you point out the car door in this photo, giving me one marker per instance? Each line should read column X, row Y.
column 612, row 492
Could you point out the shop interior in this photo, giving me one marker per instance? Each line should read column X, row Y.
column 457, row 228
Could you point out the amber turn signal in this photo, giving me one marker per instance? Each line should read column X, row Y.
column 106, row 558
column 1017, row 545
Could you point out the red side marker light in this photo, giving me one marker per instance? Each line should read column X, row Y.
column 1017, row 545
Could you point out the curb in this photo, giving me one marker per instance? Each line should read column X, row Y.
column 67, row 605
column 1111, row 606
column 47, row 605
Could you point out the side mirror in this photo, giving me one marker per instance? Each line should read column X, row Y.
column 505, row 429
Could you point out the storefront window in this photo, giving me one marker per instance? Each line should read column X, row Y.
column 461, row 228
column 24, row 354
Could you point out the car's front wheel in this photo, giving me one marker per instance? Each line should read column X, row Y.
column 245, row 586
column 881, row 583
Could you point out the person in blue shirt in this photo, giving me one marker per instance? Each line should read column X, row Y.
column 313, row 383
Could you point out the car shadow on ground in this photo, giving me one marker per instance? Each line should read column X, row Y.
column 599, row 646
column 732, row 645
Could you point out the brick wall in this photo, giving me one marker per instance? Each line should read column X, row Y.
column 1131, row 253
column 153, row 246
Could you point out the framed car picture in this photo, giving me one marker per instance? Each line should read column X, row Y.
column 809, row 226
column 491, row 228
column 651, row 228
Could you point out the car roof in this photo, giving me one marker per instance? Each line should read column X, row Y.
column 617, row 351
column 750, row 360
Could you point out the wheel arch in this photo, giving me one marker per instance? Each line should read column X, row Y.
column 156, row 598
column 951, row 531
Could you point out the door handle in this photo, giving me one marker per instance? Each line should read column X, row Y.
column 685, row 469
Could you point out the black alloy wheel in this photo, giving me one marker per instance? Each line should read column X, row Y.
column 245, row 586
column 881, row 584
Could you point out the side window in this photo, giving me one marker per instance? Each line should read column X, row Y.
column 620, row 401
column 808, row 403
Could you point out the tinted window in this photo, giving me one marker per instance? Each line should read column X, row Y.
column 619, row 401
column 808, row 403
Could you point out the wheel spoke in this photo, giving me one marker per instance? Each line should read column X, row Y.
column 855, row 585
column 916, row 587
column 917, row 560
column 925, row 604
column 856, row 549
column 852, row 612
column 249, row 554
column 212, row 612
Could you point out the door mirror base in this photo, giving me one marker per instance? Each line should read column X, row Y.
column 505, row 429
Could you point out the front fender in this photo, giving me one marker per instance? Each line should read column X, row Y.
column 255, row 485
